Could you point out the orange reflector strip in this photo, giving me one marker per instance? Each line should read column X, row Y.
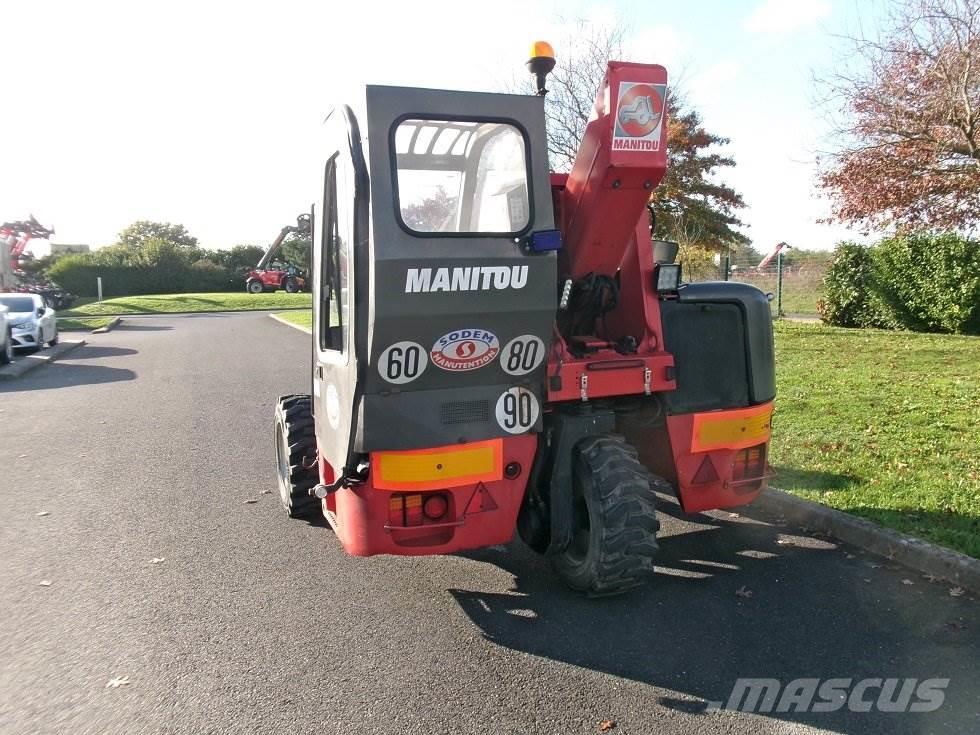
column 737, row 429
column 439, row 467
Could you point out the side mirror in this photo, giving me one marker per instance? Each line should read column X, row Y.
column 40, row 311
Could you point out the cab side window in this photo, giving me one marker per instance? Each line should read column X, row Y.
column 335, row 239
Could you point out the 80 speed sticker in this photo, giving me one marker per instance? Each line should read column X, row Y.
column 402, row 362
column 522, row 354
column 517, row 410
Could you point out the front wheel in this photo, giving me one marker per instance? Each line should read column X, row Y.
column 54, row 340
column 615, row 538
column 296, row 464
column 291, row 285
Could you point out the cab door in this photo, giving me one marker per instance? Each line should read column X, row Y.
column 339, row 259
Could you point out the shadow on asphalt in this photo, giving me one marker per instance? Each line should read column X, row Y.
column 735, row 598
column 134, row 326
column 90, row 351
column 66, row 372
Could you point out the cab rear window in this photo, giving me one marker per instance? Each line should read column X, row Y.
column 461, row 177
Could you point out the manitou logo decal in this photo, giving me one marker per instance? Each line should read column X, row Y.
column 639, row 115
column 477, row 278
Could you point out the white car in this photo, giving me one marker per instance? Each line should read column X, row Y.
column 33, row 323
column 6, row 338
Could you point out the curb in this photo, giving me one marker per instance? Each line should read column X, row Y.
column 279, row 319
column 108, row 327
column 29, row 362
column 184, row 313
column 913, row 552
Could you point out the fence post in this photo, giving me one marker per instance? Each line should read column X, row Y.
column 779, row 284
column 726, row 263
column 98, row 281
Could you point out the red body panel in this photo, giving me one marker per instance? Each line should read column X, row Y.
column 720, row 486
column 480, row 514
column 613, row 175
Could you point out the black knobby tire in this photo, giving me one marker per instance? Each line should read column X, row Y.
column 296, row 456
column 615, row 540
column 254, row 287
column 291, row 285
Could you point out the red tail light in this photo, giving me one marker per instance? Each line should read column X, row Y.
column 417, row 509
column 750, row 463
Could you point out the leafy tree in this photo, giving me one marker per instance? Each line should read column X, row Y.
column 139, row 233
column 297, row 250
column 433, row 213
column 237, row 258
column 690, row 194
column 691, row 204
column 911, row 152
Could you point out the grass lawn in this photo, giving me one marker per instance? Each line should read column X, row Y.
column 300, row 318
column 195, row 302
column 885, row 425
column 87, row 324
column 801, row 291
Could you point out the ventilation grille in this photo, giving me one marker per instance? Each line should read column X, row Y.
column 464, row 412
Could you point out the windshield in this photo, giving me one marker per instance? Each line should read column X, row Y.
column 18, row 303
column 461, row 177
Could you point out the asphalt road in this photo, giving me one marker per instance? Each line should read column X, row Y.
column 146, row 444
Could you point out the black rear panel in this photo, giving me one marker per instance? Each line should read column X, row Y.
column 708, row 345
column 720, row 335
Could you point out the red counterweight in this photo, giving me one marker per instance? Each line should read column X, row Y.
column 622, row 158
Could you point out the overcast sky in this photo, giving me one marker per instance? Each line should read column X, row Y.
column 208, row 113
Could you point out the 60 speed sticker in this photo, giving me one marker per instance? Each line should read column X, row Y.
column 517, row 410
column 402, row 362
column 465, row 349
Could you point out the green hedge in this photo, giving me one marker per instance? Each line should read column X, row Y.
column 78, row 274
column 920, row 282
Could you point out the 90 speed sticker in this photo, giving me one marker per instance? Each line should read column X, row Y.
column 402, row 362
column 465, row 349
column 522, row 354
column 517, row 410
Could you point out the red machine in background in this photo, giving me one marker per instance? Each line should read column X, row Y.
column 14, row 239
column 271, row 274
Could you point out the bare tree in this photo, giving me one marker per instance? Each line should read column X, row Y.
column 572, row 87
column 911, row 132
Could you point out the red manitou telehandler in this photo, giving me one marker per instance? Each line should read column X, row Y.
column 272, row 274
column 499, row 348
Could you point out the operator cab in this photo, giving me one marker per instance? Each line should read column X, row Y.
column 432, row 304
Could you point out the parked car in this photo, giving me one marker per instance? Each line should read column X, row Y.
column 6, row 338
column 33, row 323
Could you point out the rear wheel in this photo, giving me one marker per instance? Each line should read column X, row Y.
column 54, row 340
column 254, row 286
column 296, row 456
column 615, row 537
